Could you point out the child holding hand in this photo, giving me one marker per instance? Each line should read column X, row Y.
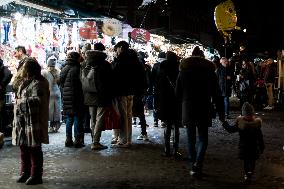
column 251, row 143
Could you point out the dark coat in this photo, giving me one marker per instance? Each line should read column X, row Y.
column 251, row 143
column 224, row 83
column 5, row 78
column 72, row 94
column 103, row 96
column 168, row 106
column 197, row 86
column 128, row 74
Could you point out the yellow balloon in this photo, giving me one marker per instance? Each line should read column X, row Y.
column 225, row 16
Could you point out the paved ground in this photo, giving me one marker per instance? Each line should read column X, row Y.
column 142, row 165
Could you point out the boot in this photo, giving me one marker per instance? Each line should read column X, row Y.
column 33, row 180
column 23, row 178
column 79, row 141
column 68, row 142
column 167, row 136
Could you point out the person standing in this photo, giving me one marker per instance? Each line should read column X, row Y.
column 269, row 79
column 225, row 76
column 30, row 127
column 197, row 86
column 20, row 54
column 5, row 78
column 127, row 72
column 73, row 100
column 98, row 94
column 52, row 76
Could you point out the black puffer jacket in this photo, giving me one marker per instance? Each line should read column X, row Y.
column 103, row 96
column 72, row 94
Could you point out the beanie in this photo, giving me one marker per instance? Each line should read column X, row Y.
column 51, row 61
column 247, row 109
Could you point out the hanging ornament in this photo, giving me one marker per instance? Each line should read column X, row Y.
column 112, row 27
column 140, row 35
column 89, row 30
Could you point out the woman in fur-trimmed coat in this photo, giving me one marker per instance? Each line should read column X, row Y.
column 30, row 128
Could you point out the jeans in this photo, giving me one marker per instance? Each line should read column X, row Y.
column 227, row 105
column 196, row 156
column 70, row 120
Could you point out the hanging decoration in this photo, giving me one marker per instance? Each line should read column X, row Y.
column 112, row 27
column 89, row 30
column 226, row 19
column 6, row 31
column 140, row 35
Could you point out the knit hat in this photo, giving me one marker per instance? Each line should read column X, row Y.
column 51, row 61
column 247, row 109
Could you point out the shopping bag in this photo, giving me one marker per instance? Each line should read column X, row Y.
column 112, row 117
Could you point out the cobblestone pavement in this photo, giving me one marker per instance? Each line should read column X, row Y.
column 142, row 165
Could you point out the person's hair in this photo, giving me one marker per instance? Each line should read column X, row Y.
column 73, row 55
column 123, row 44
column 99, row 47
column 197, row 52
column 31, row 68
column 21, row 48
column 171, row 56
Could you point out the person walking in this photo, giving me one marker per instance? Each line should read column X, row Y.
column 30, row 129
column 73, row 100
column 197, row 86
column 168, row 106
column 251, row 143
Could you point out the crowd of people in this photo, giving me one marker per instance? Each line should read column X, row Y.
column 91, row 94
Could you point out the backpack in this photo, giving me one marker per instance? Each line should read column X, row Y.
column 88, row 79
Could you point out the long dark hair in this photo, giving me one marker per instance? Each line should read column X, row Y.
column 31, row 68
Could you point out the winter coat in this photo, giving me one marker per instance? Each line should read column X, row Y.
column 103, row 79
column 5, row 78
column 224, row 83
column 197, row 86
column 72, row 93
column 168, row 106
column 270, row 73
column 18, row 79
column 251, row 143
column 128, row 74
column 31, row 117
column 52, row 75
